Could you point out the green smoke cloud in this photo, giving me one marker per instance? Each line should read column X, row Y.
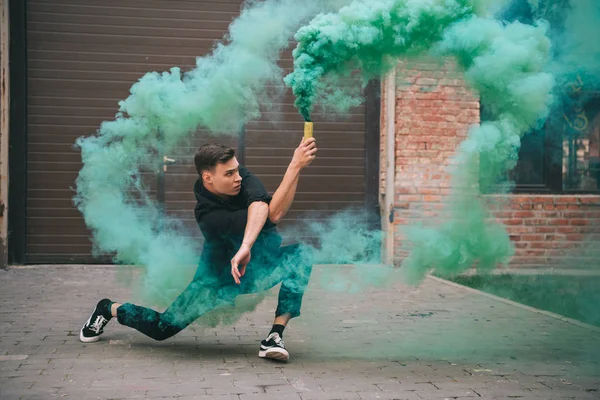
column 350, row 247
column 367, row 36
column 504, row 63
column 224, row 91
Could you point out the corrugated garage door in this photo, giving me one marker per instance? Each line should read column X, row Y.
column 84, row 55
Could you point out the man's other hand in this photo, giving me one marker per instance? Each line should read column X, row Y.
column 305, row 153
column 239, row 262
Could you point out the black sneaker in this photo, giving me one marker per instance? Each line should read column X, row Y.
column 95, row 324
column 272, row 347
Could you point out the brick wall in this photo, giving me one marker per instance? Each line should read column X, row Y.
column 434, row 110
column 553, row 231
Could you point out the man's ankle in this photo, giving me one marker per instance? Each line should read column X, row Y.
column 277, row 328
column 113, row 309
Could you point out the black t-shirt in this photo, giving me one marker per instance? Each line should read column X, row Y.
column 223, row 221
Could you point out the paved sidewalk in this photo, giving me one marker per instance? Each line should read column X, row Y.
column 436, row 341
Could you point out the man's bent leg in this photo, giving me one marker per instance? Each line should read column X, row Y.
column 197, row 299
column 294, row 269
column 296, row 262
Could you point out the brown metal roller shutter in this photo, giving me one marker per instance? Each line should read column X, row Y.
column 84, row 55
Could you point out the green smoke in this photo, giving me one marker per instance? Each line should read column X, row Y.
column 578, row 50
column 504, row 63
column 367, row 36
column 224, row 91
column 571, row 288
column 350, row 247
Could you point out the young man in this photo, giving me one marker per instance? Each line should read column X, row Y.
column 242, row 252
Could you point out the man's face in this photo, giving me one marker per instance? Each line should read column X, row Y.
column 225, row 178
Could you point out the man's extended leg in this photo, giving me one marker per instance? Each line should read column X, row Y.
column 198, row 298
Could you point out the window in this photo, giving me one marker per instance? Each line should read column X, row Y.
column 580, row 148
column 564, row 155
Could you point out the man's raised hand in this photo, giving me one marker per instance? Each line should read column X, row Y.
column 305, row 153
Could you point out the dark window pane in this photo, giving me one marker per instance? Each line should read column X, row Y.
column 530, row 167
column 581, row 148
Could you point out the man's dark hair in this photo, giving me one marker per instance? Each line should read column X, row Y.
column 209, row 155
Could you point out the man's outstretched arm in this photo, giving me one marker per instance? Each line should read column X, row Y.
column 258, row 212
column 285, row 193
column 257, row 216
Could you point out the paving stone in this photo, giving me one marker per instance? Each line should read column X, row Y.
column 386, row 395
column 262, row 396
column 434, row 341
column 330, row 396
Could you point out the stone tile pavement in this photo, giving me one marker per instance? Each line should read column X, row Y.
column 436, row 341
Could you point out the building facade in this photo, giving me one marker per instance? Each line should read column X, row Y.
column 71, row 62
column 553, row 212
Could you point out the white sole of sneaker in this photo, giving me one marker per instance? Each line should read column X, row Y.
column 88, row 339
column 275, row 353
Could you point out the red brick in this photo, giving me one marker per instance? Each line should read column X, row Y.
column 503, row 214
column 574, row 214
column 590, row 229
column 432, row 198
column 406, row 190
column 542, row 200
column 566, row 200
column 547, row 214
column 532, row 238
column 521, row 199
column 535, row 221
column 558, row 221
column 568, row 229
column 524, row 214
column 541, row 245
column 452, row 82
column 409, row 198
column 545, row 229
column 513, row 221
column 575, row 237
column 536, row 252
column 565, row 245
column 590, row 200
column 428, row 190
column 427, row 82
column 579, row 222
column 557, row 253
column 519, row 229
column 523, row 261
column 434, row 118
